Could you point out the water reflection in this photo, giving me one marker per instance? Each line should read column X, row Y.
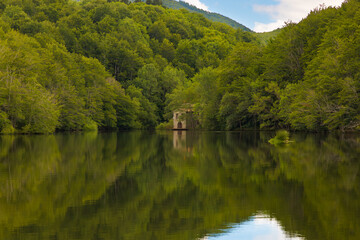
column 257, row 227
column 171, row 185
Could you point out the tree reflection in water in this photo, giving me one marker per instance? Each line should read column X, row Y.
column 144, row 185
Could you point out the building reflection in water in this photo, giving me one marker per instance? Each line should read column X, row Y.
column 182, row 140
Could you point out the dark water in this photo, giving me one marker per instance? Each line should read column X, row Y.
column 181, row 185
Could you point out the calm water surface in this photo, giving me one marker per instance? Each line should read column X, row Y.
column 179, row 185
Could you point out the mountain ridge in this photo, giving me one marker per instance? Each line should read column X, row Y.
column 216, row 17
column 209, row 15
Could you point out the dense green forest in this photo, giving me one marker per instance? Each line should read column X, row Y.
column 84, row 65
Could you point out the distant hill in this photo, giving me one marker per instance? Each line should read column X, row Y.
column 209, row 15
column 265, row 37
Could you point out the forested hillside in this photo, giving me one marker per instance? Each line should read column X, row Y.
column 174, row 4
column 307, row 78
column 69, row 65
column 84, row 65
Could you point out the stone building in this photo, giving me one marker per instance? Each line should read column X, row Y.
column 184, row 119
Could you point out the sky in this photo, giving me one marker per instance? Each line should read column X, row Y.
column 263, row 15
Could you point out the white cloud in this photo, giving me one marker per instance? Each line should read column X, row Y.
column 285, row 10
column 197, row 4
column 267, row 27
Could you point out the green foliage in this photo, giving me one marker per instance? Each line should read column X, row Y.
column 145, row 110
column 239, row 83
column 5, row 124
column 68, row 65
column 327, row 98
column 306, row 78
column 40, row 110
column 281, row 137
column 90, row 126
column 15, row 16
column 44, row 88
column 166, row 125
column 267, row 37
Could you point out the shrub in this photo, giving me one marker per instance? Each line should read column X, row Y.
column 282, row 137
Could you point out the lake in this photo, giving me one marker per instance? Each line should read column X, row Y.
column 179, row 185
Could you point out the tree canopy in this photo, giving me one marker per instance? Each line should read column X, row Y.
column 84, row 65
